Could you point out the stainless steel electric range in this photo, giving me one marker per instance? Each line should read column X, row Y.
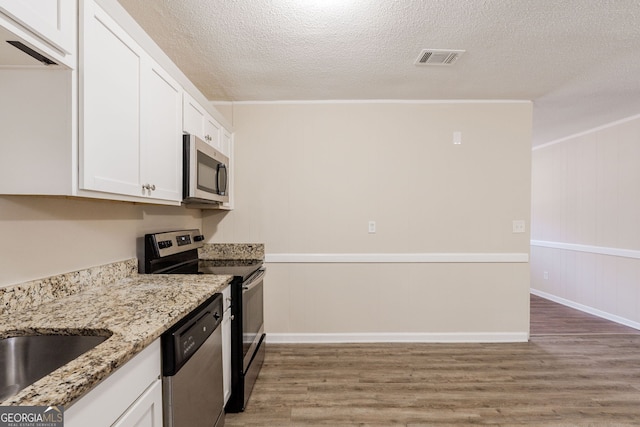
column 176, row 252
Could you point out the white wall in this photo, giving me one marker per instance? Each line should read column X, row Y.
column 309, row 177
column 45, row 236
column 586, row 228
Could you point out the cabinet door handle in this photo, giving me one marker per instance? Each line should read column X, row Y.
column 153, row 187
column 150, row 187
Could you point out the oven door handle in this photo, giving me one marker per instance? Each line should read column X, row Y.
column 254, row 280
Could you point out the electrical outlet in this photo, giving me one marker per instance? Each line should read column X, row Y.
column 518, row 226
column 372, row 227
column 546, row 275
column 457, row 138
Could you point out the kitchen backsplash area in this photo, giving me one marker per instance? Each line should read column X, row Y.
column 249, row 251
column 30, row 294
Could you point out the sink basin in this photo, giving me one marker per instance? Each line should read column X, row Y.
column 26, row 359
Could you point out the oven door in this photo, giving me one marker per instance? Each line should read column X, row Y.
column 252, row 316
column 205, row 172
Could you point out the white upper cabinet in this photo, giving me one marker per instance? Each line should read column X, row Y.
column 225, row 143
column 212, row 131
column 110, row 108
column 52, row 21
column 110, row 122
column 161, row 132
column 130, row 118
column 193, row 117
column 198, row 122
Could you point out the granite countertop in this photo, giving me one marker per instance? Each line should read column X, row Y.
column 134, row 310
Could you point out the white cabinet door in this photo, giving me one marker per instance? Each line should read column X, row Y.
column 226, row 343
column 131, row 116
column 212, row 131
column 52, row 20
column 146, row 411
column 110, row 109
column 196, row 121
column 161, row 126
column 225, row 143
column 193, row 117
column 131, row 389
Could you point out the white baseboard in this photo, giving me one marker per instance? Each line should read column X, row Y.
column 587, row 309
column 397, row 337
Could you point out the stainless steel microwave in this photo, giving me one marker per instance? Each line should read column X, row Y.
column 205, row 173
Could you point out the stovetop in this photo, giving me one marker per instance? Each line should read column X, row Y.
column 176, row 252
column 235, row 267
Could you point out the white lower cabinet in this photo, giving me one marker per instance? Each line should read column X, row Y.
column 146, row 411
column 226, row 343
column 131, row 396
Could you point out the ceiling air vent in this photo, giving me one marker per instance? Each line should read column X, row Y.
column 438, row 56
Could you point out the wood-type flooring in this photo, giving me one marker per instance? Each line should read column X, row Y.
column 583, row 372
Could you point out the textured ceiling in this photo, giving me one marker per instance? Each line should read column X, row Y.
column 578, row 60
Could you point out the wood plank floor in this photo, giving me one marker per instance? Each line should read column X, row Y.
column 550, row 318
column 554, row 380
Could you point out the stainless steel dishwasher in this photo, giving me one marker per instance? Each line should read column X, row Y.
column 192, row 369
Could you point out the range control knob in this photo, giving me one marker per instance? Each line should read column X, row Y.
column 163, row 244
column 199, row 238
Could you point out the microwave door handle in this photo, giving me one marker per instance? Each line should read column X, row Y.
column 222, row 177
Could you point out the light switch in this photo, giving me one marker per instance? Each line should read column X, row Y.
column 372, row 227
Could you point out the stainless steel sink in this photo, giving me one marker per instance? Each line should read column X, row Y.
column 26, row 359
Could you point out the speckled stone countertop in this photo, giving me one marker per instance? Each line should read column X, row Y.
column 108, row 300
column 235, row 251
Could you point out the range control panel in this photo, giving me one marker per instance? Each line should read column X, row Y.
column 173, row 242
